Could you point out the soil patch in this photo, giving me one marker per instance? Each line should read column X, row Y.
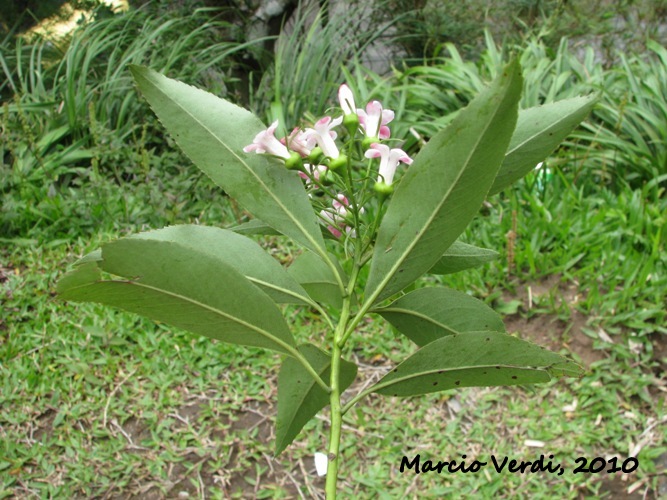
column 196, row 475
column 549, row 330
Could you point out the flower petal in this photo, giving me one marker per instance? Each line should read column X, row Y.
column 346, row 99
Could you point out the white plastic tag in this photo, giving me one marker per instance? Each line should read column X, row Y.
column 321, row 464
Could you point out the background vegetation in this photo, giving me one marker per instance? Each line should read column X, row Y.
column 95, row 402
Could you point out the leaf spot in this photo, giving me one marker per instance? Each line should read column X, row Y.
column 458, row 382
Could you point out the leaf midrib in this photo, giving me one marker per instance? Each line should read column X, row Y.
column 491, row 253
column 288, row 348
column 412, row 312
column 542, row 132
column 442, row 371
column 279, row 288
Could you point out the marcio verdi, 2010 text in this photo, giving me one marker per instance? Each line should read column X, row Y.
column 507, row 464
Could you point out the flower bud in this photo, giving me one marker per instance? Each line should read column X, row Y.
column 366, row 143
column 337, row 163
column 294, row 162
column 315, row 155
column 383, row 189
column 351, row 123
column 326, row 178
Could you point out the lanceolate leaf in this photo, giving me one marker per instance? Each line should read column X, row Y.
column 427, row 314
column 299, row 397
column 462, row 256
column 474, row 359
column 318, row 280
column 444, row 188
column 239, row 252
column 168, row 282
column 213, row 133
column 538, row 132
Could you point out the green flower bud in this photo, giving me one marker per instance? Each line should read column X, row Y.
column 337, row 163
column 382, row 189
column 351, row 123
column 315, row 156
column 294, row 162
column 326, row 178
column 366, row 143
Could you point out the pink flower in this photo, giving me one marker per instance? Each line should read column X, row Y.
column 389, row 159
column 301, row 142
column 325, row 137
column 315, row 172
column 266, row 142
column 336, row 217
column 374, row 120
column 337, row 234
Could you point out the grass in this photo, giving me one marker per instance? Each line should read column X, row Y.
column 630, row 124
column 609, row 244
column 110, row 403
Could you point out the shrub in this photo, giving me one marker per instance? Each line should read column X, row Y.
column 71, row 116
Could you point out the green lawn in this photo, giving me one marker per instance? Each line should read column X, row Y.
column 97, row 402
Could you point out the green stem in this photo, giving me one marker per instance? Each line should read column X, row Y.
column 365, row 307
column 355, row 321
column 334, row 402
column 340, row 338
column 336, row 424
column 361, row 262
column 338, row 343
column 373, row 231
column 350, row 188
